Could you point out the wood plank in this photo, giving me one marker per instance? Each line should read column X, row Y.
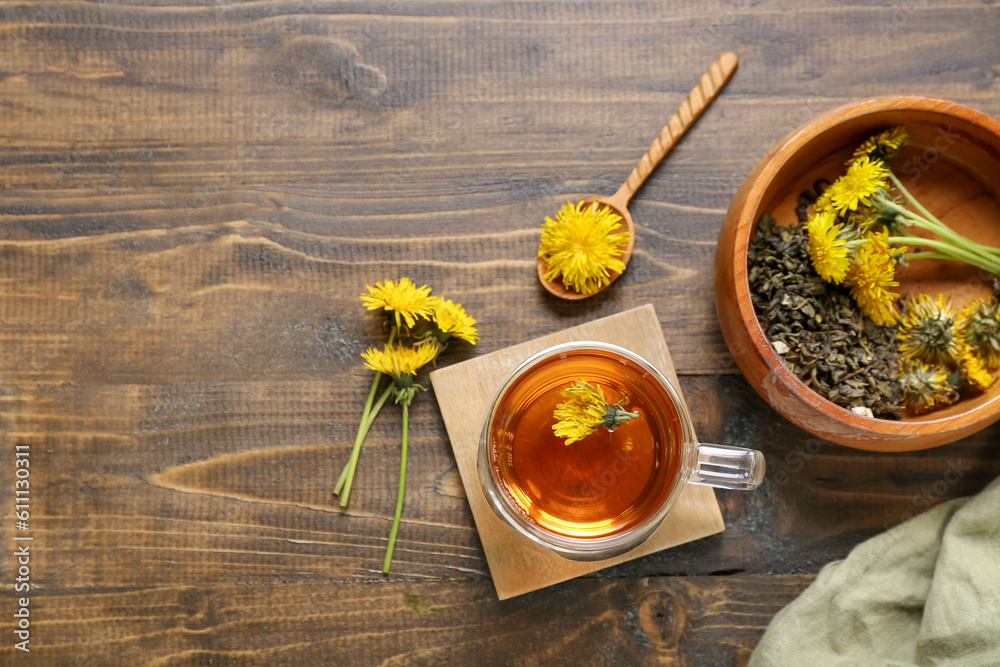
column 191, row 198
column 269, row 70
column 219, row 483
column 310, row 280
column 684, row 621
column 100, row 103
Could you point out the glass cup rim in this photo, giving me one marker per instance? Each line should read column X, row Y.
column 590, row 548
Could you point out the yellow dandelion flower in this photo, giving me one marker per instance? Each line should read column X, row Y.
column 883, row 145
column 399, row 361
column 863, row 179
column 978, row 323
column 827, row 250
column 973, row 368
column 871, row 275
column 924, row 387
column 579, row 246
column 585, row 410
column 823, row 203
column 404, row 299
column 581, row 413
column 927, row 331
column 863, row 220
column 452, row 320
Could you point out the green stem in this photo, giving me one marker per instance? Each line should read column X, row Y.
column 360, row 436
column 913, row 200
column 399, row 495
column 926, row 254
column 908, row 217
column 367, row 417
column 347, row 475
column 987, row 252
column 993, row 266
column 935, row 226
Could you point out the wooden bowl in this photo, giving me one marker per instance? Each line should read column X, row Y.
column 951, row 166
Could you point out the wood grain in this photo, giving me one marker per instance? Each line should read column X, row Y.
column 680, row 620
column 709, row 86
column 191, row 199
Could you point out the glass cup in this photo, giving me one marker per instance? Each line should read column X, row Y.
column 605, row 494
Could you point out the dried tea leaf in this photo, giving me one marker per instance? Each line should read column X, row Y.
column 820, row 332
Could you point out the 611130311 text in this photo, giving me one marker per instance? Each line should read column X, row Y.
column 22, row 545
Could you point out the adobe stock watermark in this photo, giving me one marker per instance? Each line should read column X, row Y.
column 710, row 36
column 795, row 460
column 917, row 165
column 931, row 494
column 22, row 551
column 888, row 28
column 889, row 589
column 444, row 129
column 599, row 484
column 813, row 103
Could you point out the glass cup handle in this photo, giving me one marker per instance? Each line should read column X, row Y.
column 727, row 467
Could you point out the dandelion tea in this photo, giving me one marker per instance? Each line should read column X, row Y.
column 604, row 483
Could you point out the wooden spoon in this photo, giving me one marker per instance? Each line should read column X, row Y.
column 696, row 102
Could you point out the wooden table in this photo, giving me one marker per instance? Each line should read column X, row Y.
column 193, row 198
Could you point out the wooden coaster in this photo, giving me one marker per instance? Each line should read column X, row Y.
column 464, row 391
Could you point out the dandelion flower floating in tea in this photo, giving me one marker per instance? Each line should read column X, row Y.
column 407, row 301
column 581, row 246
column 585, row 410
column 581, row 413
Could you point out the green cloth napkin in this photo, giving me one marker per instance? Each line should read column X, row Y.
column 926, row 592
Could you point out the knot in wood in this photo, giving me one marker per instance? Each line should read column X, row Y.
column 662, row 618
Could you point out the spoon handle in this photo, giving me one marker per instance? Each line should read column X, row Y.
column 697, row 101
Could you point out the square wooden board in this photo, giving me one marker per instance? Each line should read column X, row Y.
column 464, row 391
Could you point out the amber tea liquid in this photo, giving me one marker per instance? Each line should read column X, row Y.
column 602, row 484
